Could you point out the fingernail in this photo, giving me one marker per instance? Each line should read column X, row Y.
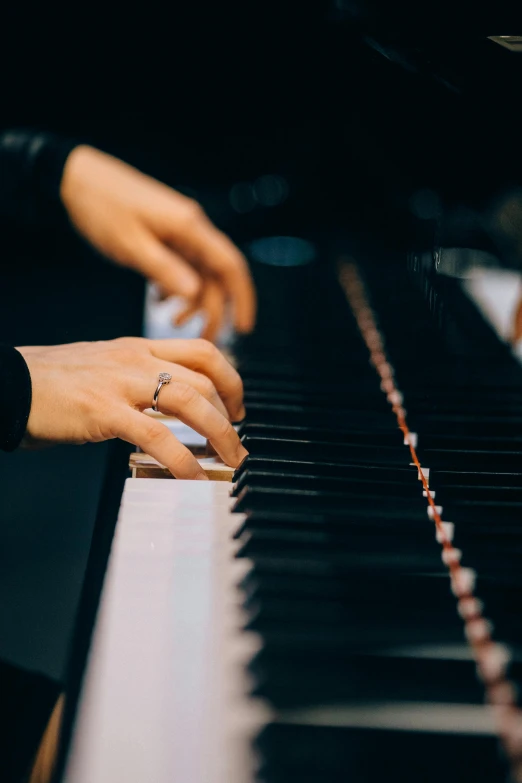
column 245, row 326
column 202, row 476
column 241, row 416
column 242, row 462
column 242, row 454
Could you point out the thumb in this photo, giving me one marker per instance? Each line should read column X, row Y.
column 168, row 269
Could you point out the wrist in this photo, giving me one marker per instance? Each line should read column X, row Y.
column 73, row 173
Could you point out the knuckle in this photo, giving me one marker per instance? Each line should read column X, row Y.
column 87, row 403
column 236, row 387
column 185, row 464
column 130, row 342
column 126, row 248
column 156, row 433
column 226, row 430
column 231, row 264
column 193, row 212
column 186, row 394
column 206, row 349
column 126, row 355
column 207, row 388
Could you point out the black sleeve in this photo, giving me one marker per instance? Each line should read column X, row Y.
column 31, row 167
column 15, row 397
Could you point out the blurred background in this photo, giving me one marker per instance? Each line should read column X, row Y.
column 339, row 123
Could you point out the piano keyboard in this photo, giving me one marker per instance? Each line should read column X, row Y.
column 307, row 629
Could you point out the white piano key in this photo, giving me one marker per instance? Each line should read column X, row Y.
column 164, row 691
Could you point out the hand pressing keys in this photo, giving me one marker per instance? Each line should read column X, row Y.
column 140, row 223
column 90, row 392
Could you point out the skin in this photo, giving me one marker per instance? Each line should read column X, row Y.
column 90, row 392
column 142, row 224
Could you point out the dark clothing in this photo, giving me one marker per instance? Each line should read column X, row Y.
column 31, row 166
column 15, row 397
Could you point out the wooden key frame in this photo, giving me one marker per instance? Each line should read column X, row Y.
column 144, row 466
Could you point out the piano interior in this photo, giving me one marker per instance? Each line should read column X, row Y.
column 346, row 606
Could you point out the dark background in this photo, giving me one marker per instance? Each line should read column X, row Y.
column 198, row 103
column 205, row 96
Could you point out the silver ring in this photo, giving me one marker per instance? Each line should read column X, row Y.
column 164, row 378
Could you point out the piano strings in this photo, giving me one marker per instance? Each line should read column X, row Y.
column 491, row 658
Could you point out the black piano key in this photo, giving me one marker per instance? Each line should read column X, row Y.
column 356, row 397
column 411, row 674
column 342, row 557
column 476, row 442
column 387, row 437
column 466, row 424
column 316, row 581
column 281, row 466
column 325, row 524
column 411, row 552
column 460, row 459
column 387, row 488
column 296, row 415
column 372, row 453
column 318, row 753
column 478, row 494
column 263, row 498
column 302, row 640
column 449, row 478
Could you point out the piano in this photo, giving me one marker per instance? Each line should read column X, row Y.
column 347, row 608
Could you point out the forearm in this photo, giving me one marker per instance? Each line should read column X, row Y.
column 31, row 167
column 15, row 397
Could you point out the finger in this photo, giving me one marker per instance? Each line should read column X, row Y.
column 517, row 323
column 140, row 391
column 198, row 238
column 203, row 357
column 167, row 268
column 156, row 439
column 186, row 314
column 197, row 380
column 213, row 305
column 162, row 294
column 193, row 409
column 223, row 258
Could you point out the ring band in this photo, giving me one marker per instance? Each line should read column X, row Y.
column 164, row 378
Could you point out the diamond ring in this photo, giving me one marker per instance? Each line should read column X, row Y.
column 163, row 379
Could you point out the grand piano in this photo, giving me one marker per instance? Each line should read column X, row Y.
column 347, row 608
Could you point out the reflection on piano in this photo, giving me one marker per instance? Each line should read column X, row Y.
column 309, row 629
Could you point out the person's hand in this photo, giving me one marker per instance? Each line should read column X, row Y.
column 97, row 391
column 140, row 223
